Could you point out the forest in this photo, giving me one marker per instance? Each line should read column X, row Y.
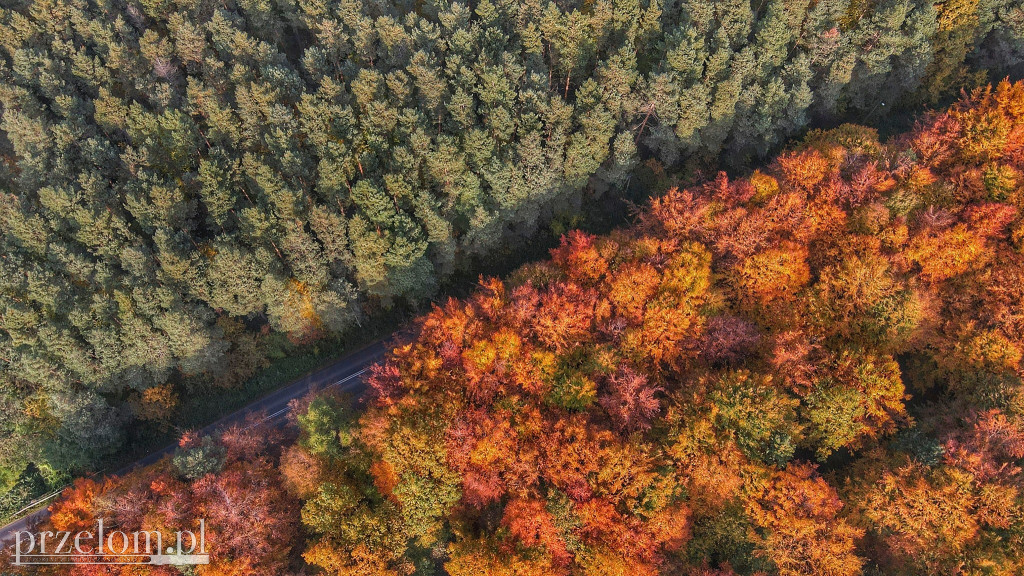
column 811, row 370
column 189, row 187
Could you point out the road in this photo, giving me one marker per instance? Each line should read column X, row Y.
column 345, row 373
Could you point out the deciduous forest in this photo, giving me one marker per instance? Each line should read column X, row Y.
column 812, row 370
column 188, row 185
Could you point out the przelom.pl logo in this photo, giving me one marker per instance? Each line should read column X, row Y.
column 110, row 547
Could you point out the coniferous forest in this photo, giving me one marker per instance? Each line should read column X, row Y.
column 799, row 353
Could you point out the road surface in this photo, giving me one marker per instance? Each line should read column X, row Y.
column 345, row 373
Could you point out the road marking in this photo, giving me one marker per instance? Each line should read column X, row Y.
column 287, row 408
column 49, row 496
column 347, row 378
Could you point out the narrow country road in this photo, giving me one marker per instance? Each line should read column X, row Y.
column 345, row 373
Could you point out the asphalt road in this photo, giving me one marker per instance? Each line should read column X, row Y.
column 346, row 374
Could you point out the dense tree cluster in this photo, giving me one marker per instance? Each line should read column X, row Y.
column 232, row 483
column 815, row 370
column 178, row 175
column 730, row 383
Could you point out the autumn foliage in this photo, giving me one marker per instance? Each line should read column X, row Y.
column 815, row 370
column 251, row 521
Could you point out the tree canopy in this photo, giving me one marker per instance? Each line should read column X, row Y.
column 183, row 180
column 813, row 370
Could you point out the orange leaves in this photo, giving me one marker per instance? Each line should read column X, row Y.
column 985, row 127
column 667, row 312
column 565, row 316
column 501, row 349
column 712, row 480
column 948, row 253
column 867, row 184
column 250, row 520
column 581, row 257
column 631, row 287
column 984, row 132
column 487, row 557
column 680, row 214
column 412, row 366
column 532, row 525
column 765, row 186
column 75, row 510
column 926, row 517
column 299, row 471
column 987, row 350
column 672, row 527
column 1008, row 97
column 920, row 178
column 802, row 533
column 804, row 170
column 990, row 219
column 665, row 338
column 649, row 390
column 491, row 297
column 384, row 477
column 495, row 443
column 362, row 561
column 989, row 448
column 480, row 356
column 946, row 518
column 572, row 454
column 604, row 562
column 453, row 322
column 934, row 141
column 483, row 449
column 772, row 276
column 860, row 300
column 158, row 403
